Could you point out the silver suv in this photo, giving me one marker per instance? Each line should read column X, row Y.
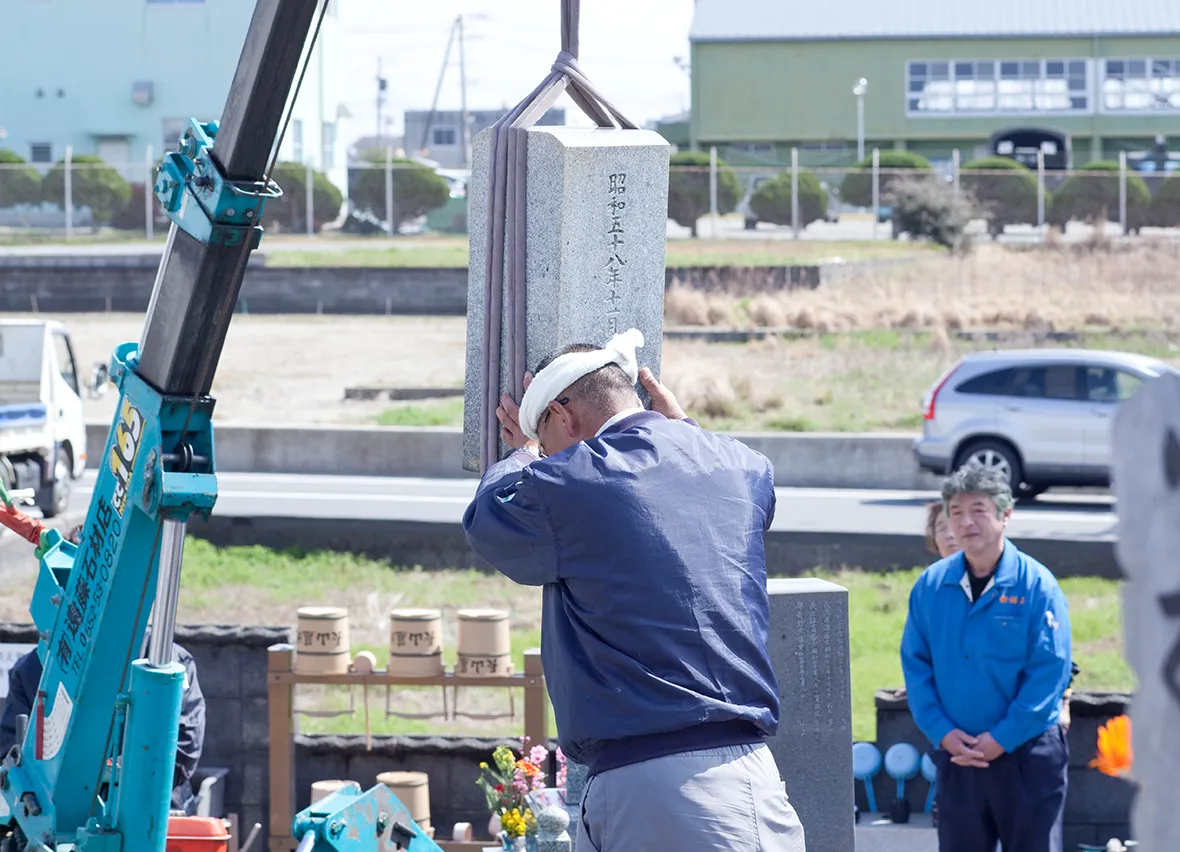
column 1042, row 417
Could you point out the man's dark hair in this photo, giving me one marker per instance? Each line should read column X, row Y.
column 601, row 389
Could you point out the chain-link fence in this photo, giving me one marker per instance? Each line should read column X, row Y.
column 82, row 194
column 999, row 196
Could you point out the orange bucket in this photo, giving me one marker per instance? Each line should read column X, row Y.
column 196, row 834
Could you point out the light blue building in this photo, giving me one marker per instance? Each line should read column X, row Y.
column 115, row 77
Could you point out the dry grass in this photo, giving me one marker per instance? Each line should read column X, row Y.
column 1092, row 284
column 878, row 338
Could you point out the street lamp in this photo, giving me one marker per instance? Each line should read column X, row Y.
column 859, row 90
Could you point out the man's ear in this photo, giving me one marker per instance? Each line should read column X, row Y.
column 564, row 415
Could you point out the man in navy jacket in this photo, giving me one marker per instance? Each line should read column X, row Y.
column 25, row 676
column 646, row 533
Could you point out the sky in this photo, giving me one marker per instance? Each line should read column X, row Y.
column 627, row 51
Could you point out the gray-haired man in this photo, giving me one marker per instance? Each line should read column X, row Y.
column 986, row 656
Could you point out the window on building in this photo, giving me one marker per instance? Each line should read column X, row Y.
column 442, row 137
column 328, row 149
column 40, row 152
column 1141, row 85
column 997, row 86
column 762, row 148
column 297, row 140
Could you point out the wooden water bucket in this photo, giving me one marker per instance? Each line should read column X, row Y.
column 484, row 643
column 412, row 790
column 323, row 789
column 322, row 640
column 415, row 643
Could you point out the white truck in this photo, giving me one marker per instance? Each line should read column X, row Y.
column 42, row 428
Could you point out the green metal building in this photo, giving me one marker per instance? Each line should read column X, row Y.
column 1082, row 79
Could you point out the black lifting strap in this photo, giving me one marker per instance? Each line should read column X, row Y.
column 506, row 218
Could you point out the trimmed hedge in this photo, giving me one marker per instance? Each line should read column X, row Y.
column 688, row 188
column 289, row 211
column 857, row 188
column 1087, row 197
column 18, row 185
column 772, row 201
column 1006, row 199
column 93, row 184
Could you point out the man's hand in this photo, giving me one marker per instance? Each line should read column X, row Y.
column 662, row 399
column 964, row 749
column 990, row 748
column 508, row 413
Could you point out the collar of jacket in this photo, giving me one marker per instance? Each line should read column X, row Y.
column 636, row 419
column 1006, row 570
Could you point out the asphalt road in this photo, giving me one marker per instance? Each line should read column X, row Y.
column 442, row 501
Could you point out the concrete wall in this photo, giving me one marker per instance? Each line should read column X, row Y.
column 1097, row 807
column 82, row 284
column 118, row 283
column 818, row 460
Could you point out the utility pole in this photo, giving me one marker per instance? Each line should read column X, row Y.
column 463, row 95
column 382, row 85
column 438, row 87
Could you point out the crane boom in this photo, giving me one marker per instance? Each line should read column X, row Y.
column 106, row 718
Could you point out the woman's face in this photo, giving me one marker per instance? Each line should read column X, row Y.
column 943, row 537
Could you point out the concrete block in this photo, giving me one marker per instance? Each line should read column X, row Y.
column 218, row 669
column 248, row 815
column 223, row 729
column 255, row 722
column 252, row 668
column 253, row 789
column 1094, row 797
column 1103, row 832
column 313, row 765
column 597, row 212
column 813, row 747
column 1082, row 740
column 1074, row 833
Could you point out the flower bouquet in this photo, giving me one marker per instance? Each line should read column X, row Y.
column 1115, row 758
column 505, row 784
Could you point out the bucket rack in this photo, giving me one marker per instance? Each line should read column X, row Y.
column 281, row 680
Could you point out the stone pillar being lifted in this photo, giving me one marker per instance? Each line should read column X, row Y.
column 596, row 214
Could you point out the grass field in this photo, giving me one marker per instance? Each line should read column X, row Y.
column 256, row 586
column 452, row 252
column 851, row 381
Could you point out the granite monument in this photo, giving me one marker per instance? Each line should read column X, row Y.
column 596, row 214
column 1146, row 476
column 813, row 747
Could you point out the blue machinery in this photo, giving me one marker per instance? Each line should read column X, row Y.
column 93, row 766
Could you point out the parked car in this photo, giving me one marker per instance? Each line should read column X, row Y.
column 1042, row 417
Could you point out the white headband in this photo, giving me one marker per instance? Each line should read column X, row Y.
column 566, row 369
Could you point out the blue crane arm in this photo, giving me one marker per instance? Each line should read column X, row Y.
column 351, row 821
column 93, row 768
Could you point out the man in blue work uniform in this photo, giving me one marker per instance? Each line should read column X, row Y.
column 25, row 676
column 986, row 656
column 646, row 533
